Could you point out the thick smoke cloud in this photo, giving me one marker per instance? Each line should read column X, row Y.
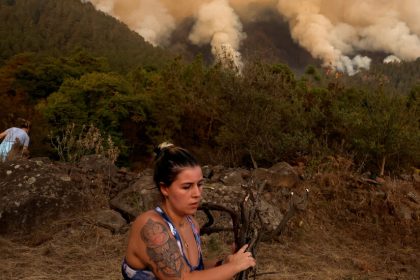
column 149, row 18
column 332, row 30
column 218, row 25
column 335, row 31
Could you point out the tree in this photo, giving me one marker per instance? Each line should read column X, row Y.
column 103, row 99
column 263, row 116
column 383, row 127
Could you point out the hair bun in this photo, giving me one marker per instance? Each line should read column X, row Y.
column 162, row 147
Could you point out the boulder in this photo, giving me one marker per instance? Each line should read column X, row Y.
column 215, row 173
column 232, row 196
column 34, row 193
column 271, row 215
column 279, row 176
column 235, row 177
column 228, row 196
column 111, row 220
column 284, row 176
column 143, row 195
column 98, row 164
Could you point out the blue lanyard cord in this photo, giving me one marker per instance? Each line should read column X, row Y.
column 178, row 239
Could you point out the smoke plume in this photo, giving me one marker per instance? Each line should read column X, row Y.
column 335, row 31
column 218, row 25
column 149, row 18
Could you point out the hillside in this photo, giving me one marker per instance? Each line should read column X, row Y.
column 268, row 41
column 61, row 27
column 55, row 27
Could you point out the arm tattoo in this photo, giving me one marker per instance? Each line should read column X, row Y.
column 162, row 249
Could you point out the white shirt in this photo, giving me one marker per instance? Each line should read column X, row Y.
column 14, row 132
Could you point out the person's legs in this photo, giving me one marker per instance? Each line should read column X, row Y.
column 15, row 152
column 5, row 148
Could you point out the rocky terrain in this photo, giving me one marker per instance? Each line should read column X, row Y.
column 63, row 221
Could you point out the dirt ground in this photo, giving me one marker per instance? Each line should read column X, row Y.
column 351, row 230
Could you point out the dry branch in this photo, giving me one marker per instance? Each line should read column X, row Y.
column 247, row 226
column 295, row 204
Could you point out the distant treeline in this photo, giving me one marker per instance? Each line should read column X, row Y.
column 265, row 115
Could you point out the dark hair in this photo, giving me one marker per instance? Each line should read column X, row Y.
column 169, row 162
column 24, row 123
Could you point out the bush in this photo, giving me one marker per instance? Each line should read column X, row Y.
column 75, row 142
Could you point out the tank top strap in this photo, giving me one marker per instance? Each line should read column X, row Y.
column 196, row 233
column 168, row 222
column 177, row 237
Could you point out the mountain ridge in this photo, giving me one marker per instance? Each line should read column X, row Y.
column 56, row 27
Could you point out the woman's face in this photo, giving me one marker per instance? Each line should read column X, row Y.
column 184, row 194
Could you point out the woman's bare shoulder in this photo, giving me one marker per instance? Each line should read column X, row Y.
column 141, row 222
column 145, row 216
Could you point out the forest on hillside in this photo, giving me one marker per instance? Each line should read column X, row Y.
column 259, row 117
column 79, row 75
column 55, row 27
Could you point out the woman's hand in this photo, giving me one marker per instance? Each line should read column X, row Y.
column 242, row 260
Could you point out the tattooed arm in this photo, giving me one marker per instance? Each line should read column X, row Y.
column 151, row 245
column 162, row 249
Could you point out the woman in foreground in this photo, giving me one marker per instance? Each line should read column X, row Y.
column 164, row 243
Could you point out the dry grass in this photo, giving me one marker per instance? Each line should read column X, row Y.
column 349, row 232
column 329, row 253
column 83, row 251
column 313, row 250
column 73, row 142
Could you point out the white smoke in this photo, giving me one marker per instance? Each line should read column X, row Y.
column 335, row 31
column 218, row 25
column 105, row 6
column 332, row 30
column 149, row 18
column 391, row 59
column 156, row 23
